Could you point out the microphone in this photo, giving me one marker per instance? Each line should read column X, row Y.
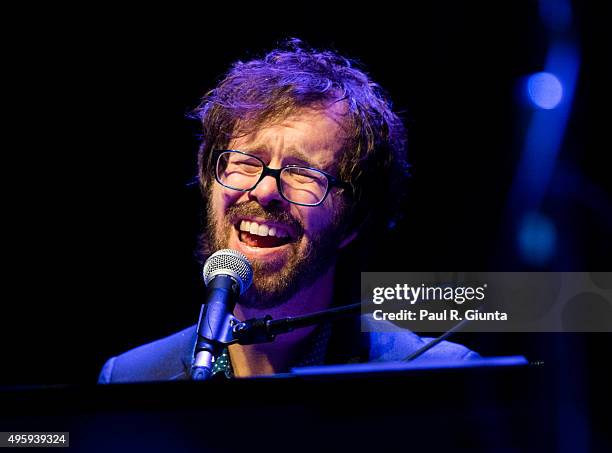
column 227, row 275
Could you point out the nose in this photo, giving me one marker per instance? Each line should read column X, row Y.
column 266, row 193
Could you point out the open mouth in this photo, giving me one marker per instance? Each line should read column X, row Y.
column 263, row 235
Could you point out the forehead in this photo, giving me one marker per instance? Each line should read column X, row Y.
column 313, row 136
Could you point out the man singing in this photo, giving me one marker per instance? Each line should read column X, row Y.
column 302, row 158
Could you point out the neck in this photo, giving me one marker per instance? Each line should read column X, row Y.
column 275, row 357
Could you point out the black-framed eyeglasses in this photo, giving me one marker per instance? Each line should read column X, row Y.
column 301, row 185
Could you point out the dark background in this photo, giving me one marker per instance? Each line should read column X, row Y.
column 101, row 225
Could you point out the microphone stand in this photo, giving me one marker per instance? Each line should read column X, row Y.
column 435, row 341
column 265, row 330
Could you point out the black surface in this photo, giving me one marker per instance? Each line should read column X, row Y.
column 472, row 409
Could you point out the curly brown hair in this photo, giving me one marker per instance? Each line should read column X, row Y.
column 267, row 90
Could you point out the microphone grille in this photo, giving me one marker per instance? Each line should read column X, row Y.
column 229, row 262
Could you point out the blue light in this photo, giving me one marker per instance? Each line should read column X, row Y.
column 556, row 14
column 537, row 239
column 544, row 90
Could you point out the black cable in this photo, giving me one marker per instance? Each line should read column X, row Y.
column 435, row 341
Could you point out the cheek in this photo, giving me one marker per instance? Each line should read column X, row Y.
column 318, row 218
column 222, row 199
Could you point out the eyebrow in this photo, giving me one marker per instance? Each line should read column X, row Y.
column 294, row 152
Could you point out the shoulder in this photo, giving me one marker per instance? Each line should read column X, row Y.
column 164, row 359
column 387, row 342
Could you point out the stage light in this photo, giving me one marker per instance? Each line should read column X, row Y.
column 537, row 239
column 544, row 90
column 556, row 14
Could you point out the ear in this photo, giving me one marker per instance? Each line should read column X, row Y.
column 350, row 237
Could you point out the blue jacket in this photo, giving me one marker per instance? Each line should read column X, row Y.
column 170, row 358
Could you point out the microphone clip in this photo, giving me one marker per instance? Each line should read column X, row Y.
column 254, row 331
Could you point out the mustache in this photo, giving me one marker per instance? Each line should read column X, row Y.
column 272, row 214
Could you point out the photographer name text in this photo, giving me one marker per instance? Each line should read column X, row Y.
column 445, row 315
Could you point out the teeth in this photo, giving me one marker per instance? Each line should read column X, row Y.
column 262, row 230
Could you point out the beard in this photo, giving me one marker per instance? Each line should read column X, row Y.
column 274, row 283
